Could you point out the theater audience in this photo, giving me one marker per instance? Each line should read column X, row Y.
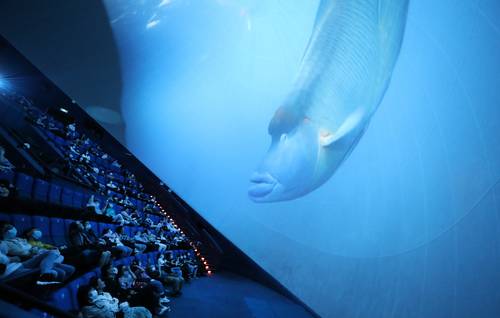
column 34, row 235
column 142, row 276
column 97, row 303
column 86, row 249
column 113, row 241
column 141, row 292
column 163, row 272
column 9, row 267
column 93, row 206
column 130, row 242
column 20, row 250
column 123, row 291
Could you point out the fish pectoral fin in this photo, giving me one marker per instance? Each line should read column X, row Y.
column 350, row 125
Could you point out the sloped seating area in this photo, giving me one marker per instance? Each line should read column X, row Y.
column 104, row 199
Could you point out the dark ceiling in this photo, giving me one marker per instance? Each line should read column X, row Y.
column 71, row 42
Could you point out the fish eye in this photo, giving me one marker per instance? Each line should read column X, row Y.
column 283, row 137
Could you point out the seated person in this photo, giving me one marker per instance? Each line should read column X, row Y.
column 5, row 188
column 93, row 206
column 166, row 274
column 86, row 247
column 130, row 242
column 9, row 267
column 113, row 241
column 127, row 217
column 125, row 201
column 96, row 302
column 71, row 131
column 110, row 212
column 175, row 263
column 189, row 267
column 142, row 276
column 149, row 240
column 19, row 250
column 141, row 239
column 142, row 292
column 64, row 271
column 110, row 278
column 147, row 222
column 153, row 239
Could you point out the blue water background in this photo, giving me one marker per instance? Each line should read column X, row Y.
column 407, row 227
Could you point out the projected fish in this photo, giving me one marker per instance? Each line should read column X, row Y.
column 343, row 76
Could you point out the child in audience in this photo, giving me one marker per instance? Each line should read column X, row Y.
column 64, row 271
column 19, row 250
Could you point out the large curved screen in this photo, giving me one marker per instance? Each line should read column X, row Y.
column 351, row 148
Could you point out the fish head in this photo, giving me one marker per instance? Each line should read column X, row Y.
column 288, row 168
column 302, row 156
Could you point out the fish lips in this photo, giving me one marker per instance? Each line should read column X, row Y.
column 263, row 184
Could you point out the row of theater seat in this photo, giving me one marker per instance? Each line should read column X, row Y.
column 56, row 230
column 103, row 164
column 30, row 188
column 62, row 144
column 66, row 297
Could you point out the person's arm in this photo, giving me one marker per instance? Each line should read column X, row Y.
column 42, row 245
column 131, row 273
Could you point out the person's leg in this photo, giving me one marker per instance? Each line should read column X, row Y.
column 119, row 219
column 127, row 251
column 44, row 261
column 89, row 256
column 175, row 282
column 122, row 250
column 18, row 273
column 64, row 271
column 105, row 258
column 47, row 263
column 157, row 286
column 176, row 271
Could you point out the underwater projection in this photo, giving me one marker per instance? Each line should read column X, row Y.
column 385, row 143
column 345, row 71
